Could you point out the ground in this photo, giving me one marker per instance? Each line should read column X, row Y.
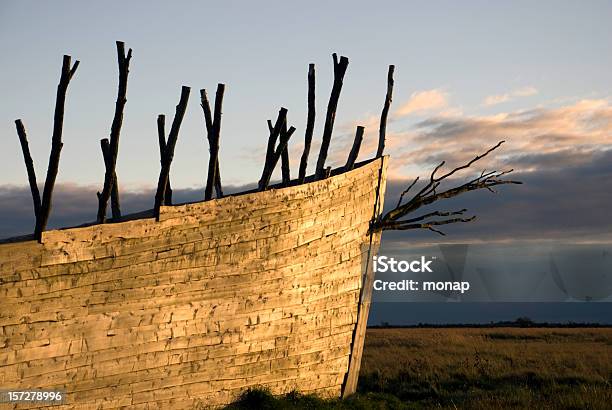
column 475, row 368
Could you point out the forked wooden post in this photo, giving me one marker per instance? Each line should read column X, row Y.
column 161, row 136
column 285, row 171
column 278, row 131
column 310, row 121
column 106, row 153
column 213, row 129
column 169, row 151
column 110, row 175
column 385, row 113
column 339, row 71
column 275, row 132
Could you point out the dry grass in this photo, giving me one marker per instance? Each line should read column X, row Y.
column 534, row 368
column 486, row 368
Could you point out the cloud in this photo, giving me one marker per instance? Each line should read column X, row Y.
column 542, row 138
column 422, row 101
column 75, row 205
column 568, row 203
column 501, row 98
column 564, row 154
column 555, row 204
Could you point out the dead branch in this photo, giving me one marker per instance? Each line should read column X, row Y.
column 110, row 175
column 429, row 194
column 161, row 136
column 385, row 112
column 213, row 129
column 406, row 191
column 350, row 162
column 56, row 145
column 169, row 150
column 310, row 120
column 426, row 225
column 29, row 167
column 339, row 71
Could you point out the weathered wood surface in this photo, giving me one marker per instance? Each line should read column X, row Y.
column 365, row 298
column 254, row 289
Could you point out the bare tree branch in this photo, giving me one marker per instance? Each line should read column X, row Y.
column 435, row 213
column 425, row 225
column 429, row 194
column 406, row 191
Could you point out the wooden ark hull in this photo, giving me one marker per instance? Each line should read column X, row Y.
column 260, row 289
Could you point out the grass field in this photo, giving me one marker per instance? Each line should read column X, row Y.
column 477, row 368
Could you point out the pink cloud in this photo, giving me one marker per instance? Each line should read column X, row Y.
column 421, row 101
column 500, row 98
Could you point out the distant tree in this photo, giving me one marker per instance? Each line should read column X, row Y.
column 524, row 321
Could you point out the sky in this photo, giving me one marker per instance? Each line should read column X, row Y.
column 489, row 65
column 468, row 74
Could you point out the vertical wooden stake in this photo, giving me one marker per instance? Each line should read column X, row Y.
column 162, row 183
column 350, row 162
column 213, row 128
column 110, row 175
column 56, row 145
column 339, row 71
column 310, row 120
column 285, row 171
column 29, row 167
column 385, row 112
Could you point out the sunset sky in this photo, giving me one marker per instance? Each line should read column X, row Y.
column 469, row 74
